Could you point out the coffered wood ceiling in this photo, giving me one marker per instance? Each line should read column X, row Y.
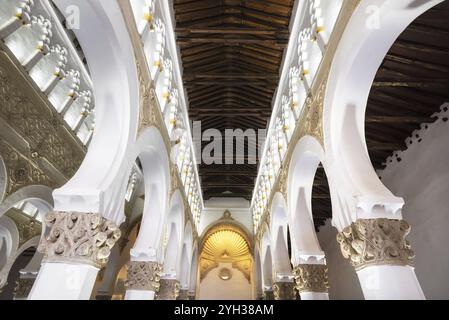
column 231, row 52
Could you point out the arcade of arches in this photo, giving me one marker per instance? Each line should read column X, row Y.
column 118, row 180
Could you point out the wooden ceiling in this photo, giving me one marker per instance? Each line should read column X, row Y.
column 411, row 85
column 232, row 52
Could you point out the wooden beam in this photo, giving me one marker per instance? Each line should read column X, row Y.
column 430, row 83
column 254, row 76
column 234, row 41
column 233, row 30
column 397, row 119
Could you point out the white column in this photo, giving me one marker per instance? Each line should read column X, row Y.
column 139, row 295
column 75, row 247
column 63, row 281
column 314, row 296
column 390, row 283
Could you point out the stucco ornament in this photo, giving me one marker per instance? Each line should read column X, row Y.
column 368, row 242
column 311, row 278
column 144, row 275
column 78, row 238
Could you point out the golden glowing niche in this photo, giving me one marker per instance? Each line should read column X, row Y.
column 226, row 243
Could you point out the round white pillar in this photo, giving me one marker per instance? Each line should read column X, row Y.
column 139, row 295
column 63, row 281
column 390, row 283
column 382, row 258
column 314, row 296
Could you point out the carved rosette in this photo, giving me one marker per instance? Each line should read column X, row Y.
column 23, row 288
column 311, row 278
column 144, row 275
column 169, row 289
column 73, row 237
column 284, row 291
column 369, row 242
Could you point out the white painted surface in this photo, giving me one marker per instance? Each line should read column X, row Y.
column 213, row 288
column 62, row 281
column 314, row 296
column 139, row 295
column 390, row 283
column 422, row 179
column 214, row 209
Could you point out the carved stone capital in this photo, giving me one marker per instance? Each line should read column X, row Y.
column 284, row 291
column 268, row 295
column 143, row 275
column 73, row 237
column 169, row 289
column 23, row 288
column 192, row 295
column 183, row 295
column 311, row 278
column 369, row 242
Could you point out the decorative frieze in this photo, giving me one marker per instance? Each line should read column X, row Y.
column 368, row 242
column 284, row 291
column 28, row 227
column 73, row 237
column 144, row 275
column 21, row 171
column 311, row 278
column 31, row 116
column 169, row 289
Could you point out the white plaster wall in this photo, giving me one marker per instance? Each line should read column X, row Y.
column 421, row 177
column 237, row 288
column 215, row 207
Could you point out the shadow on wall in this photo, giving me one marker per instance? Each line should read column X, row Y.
column 344, row 284
column 422, row 179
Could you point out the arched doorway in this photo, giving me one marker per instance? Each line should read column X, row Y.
column 226, row 263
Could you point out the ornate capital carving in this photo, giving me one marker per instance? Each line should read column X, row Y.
column 284, row 291
column 268, row 295
column 23, row 288
column 183, row 295
column 169, row 289
column 192, row 295
column 144, row 275
column 311, row 278
column 78, row 238
column 368, row 242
